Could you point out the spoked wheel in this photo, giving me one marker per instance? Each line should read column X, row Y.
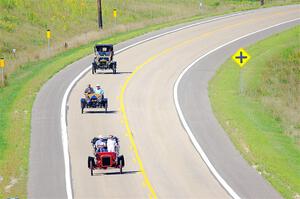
column 91, row 167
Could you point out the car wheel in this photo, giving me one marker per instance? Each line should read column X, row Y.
column 106, row 106
column 82, row 107
column 121, row 167
column 91, row 167
column 121, row 161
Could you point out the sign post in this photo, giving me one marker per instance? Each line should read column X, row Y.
column 200, row 5
column 48, row 35
column 241, row 57
column 2, row 65
column 14, row 51
column 115, row 15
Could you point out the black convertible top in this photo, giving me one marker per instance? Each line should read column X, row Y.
column 99, row 47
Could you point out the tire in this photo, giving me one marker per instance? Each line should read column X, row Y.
column 93, row 68
column 91, row 167
column 121, row 161
column 114, row 67
column 121, row 167
column 82, row 108
column 106, row 106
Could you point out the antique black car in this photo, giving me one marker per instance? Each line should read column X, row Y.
column 103, row 59
column 93, row 101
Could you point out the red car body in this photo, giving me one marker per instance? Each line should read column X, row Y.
column 105, row 160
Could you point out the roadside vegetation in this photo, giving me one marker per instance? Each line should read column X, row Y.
column 23, row 25
column 264, row 120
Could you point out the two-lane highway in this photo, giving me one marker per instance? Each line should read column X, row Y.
column 172, row 165
column 164, row 164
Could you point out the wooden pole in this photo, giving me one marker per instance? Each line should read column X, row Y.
column 100, row 23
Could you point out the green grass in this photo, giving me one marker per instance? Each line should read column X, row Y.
column 24, row 25
column 263, row 121
column 15, row 110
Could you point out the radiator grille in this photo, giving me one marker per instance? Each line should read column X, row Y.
column 106, row 161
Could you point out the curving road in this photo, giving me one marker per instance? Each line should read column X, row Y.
column 167, row 164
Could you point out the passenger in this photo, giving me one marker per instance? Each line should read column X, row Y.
column 99, row 91
column 89, row 89
column 100, row 144
column 111, row 144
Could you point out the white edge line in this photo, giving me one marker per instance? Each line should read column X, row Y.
column 63, row 123
column 184, row 123
column 64, row 133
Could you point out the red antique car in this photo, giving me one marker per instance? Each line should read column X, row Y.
column 105, row 160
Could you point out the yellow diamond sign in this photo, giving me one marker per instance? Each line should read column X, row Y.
column 241, row 57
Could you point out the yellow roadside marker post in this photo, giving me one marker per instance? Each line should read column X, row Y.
column 48, row 35
column 241, row 57
column 115, row 15
column 2, row 65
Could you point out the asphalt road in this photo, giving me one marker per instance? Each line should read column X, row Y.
column 195, row 105
column 171, row 163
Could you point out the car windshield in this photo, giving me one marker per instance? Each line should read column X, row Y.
column 101, row 53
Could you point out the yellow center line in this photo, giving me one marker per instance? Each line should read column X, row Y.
column 139, row 67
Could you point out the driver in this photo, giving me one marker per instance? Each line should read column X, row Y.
column 100, row 144
column 89, row 89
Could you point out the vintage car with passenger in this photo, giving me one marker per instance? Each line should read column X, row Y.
column 106, row 154
column 103, row 59
column 93, row 101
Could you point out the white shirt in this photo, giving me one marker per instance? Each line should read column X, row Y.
column 111, row 144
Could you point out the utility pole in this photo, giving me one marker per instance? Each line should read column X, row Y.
column 100, row 23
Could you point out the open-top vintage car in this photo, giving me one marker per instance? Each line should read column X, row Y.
column 103, row 60
column 93, row 101
column 105, row 159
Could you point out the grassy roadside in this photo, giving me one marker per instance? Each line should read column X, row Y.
column 23, row 23
column 16, row 102
column 15, row 110
column 264, row 121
